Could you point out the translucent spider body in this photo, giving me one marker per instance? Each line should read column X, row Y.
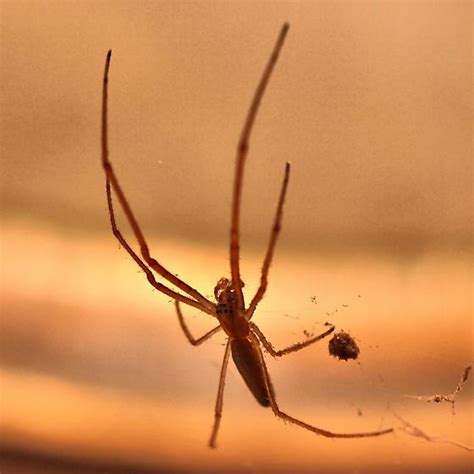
column 244, row 337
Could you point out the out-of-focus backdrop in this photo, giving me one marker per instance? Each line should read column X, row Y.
column 370, row 101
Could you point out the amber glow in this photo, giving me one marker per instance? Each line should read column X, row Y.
column 115, row 378
column 371, row 103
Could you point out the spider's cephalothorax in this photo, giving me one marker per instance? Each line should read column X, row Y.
column 227, row 311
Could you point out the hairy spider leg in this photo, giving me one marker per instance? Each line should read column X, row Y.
column 294, row 347
column 201, row 302
column 242, row 150
column 271, row 246
column 149, row 275
column 187, row 332
column 220, row 396
column 284, row 416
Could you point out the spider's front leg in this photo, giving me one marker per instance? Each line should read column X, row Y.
column 294, row 347
column 194, row 298
column 241, row 158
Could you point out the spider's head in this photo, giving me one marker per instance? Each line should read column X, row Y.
column 224, row 289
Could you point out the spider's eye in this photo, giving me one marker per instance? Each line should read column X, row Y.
column 343, row 346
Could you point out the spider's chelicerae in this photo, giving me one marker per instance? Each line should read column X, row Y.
column 244, row 337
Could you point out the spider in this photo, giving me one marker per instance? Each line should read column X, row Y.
column 244, row 337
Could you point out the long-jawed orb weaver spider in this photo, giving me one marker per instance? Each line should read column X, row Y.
column 244, row 337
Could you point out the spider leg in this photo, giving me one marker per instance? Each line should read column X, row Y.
column 294, row 347
column 242, row 150
column 111, row 177
column 271, row 246
column 187, row 333
column 149, row 275
column 220, row 397
column 284, row 416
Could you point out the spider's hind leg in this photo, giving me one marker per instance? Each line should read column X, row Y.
column 284, row 416
column 192, row 340
column 220, row 397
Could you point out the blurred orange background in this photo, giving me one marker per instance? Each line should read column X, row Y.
column 372, row 104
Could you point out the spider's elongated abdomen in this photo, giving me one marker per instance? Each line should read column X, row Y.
column 247, row 360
